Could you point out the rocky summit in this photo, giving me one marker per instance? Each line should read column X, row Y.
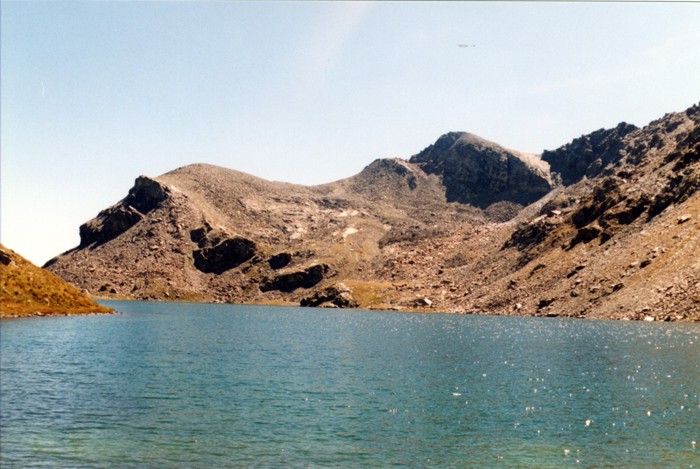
column 481, row 173
column 605, row 227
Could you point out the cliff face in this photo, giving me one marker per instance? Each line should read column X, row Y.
column 480, row 173
column 605, row 226
column 144, row 197
column 27, row 290
column 588, row 155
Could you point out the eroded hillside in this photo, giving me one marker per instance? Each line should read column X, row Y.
column 603, row 227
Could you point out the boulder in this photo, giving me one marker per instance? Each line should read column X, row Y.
column 337, row 295
column 198, row 234
column 280, row 260
column 5, row 257
column 147, row 194
column 423, row 303
column 291, row 281
column 222, row 255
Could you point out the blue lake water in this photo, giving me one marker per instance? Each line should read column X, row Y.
column 192, row 385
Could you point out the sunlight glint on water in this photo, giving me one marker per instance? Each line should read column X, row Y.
column 192, row 385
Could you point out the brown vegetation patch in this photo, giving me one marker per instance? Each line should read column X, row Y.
column 27, row 290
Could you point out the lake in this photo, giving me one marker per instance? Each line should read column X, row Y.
column 200, row 386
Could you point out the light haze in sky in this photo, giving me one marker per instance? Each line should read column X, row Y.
column 95, row 94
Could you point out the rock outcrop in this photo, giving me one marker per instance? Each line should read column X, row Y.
column 290, row 281
column 278, row 261
column 589, row 154
column 218, row 251
column 481, row 173
column 338, row 295
column 146, row 195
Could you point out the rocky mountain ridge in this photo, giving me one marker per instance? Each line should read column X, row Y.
column 605, row 226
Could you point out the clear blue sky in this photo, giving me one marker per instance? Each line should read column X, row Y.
column 95, row 94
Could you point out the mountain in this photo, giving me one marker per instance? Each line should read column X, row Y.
column 27, row 290
column 478, row 172
column 605, row 226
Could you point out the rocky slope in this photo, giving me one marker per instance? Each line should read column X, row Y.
column 603, row 227
column 27, row 290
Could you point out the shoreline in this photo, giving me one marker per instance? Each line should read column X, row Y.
column 23, row 311
column 395, row 309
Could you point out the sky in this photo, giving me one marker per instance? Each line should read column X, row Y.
column 94, row 94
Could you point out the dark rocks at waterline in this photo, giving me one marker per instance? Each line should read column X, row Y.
column 338, row 295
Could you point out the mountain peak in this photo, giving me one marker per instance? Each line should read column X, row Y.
column 479, row 172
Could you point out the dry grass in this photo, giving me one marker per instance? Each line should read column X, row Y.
column 372, row 294
column 27, row 290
